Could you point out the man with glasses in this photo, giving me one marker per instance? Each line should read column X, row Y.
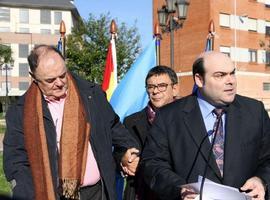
column 59, row 138
column 161, row 86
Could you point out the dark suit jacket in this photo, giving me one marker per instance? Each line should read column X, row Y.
column 106, row 131
column 179, row 129
column 138, row 127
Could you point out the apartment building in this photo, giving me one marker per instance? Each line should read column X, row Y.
column 242, row 30
column 24, row 24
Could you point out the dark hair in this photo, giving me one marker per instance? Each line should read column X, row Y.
column 160, row 69
column 198, row 67
column 40, row 50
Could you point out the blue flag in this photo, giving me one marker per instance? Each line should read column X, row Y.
column 60, row 45
column 209, row 44
column 130, row 95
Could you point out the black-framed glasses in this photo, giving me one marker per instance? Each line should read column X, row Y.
column 162, row 87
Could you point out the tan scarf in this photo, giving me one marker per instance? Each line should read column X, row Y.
column 73, row 144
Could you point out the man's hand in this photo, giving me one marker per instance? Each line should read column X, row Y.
column 188, row 193
column 255, row 188
column 130, row 161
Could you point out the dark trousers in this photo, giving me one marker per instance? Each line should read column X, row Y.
column 93, row 192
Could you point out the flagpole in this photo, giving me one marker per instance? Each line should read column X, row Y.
column 62, row 31
column 211, row 35
column 113, row 31
column 157, row 36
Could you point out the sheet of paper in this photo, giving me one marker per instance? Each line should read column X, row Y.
column 215, row 191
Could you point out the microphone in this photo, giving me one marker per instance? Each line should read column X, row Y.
column 209, row 154
column 209, row 133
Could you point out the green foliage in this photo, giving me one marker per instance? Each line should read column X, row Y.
column 5, row 54
column 88, row 44
column 4, row 185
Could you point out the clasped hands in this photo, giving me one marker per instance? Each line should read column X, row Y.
column 130, row 161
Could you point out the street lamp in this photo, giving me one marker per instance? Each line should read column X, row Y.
column 176, row 11
column 6, row 67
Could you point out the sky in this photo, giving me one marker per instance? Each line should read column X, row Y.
column 125, row 11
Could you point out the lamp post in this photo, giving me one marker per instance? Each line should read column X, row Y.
column 6, row 67
column 171, row 17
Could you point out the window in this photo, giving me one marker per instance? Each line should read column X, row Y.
column 252, row 24
column 45, row 31
column 56, row 32
column 224, row 20
column 4, row 14
column 267, row 3
column 23, row 85
column 252, row 55
column 24, row 16
column 267, row 58
column 266, row 86
column 24, row 30
column 225, row 50
column 23, row 70
column 5, row 72
column 23, row 50
column 45, row 16
column 57, row 17
column 4, row 29
column 3, row 85
column 267, row 30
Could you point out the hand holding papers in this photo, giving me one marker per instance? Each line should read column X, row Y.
column 215, row 191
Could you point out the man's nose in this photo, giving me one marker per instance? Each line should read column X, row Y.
column 156, row 90
column 230, row 78
column 58, row 82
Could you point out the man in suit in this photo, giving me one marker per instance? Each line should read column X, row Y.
column 60, row 133
column 179, row 141
column 161, row 86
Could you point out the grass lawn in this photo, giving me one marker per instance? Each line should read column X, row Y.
column 2, row 125
column 4, row 185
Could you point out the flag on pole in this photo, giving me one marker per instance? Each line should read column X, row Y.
column 60, row 45
column 110, row 74
column 209, row 45
column 130, row 95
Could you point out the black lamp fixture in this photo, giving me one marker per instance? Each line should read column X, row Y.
column 171, row 17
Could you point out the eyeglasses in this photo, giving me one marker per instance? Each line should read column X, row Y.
column 162, row 87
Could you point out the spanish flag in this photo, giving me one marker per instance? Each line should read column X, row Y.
column 110, row 73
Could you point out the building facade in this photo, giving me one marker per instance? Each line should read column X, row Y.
column 24, row 24
column 242, row 30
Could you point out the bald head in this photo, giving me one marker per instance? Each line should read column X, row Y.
column 39, row 52
column 214, row 74
column 208, row 58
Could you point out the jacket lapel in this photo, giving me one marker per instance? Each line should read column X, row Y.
column 142, row 125
column 233, row 135
column 196, row 128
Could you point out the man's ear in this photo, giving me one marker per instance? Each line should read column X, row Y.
column 33, row 76
column 199, row 80
column 175, row 89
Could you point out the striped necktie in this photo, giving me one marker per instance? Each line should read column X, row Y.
column 218, row 148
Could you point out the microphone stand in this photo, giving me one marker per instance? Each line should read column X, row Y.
column 208, row 158
column 197, row 154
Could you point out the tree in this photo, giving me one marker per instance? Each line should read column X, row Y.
column 5, row 54
column 87, row 47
